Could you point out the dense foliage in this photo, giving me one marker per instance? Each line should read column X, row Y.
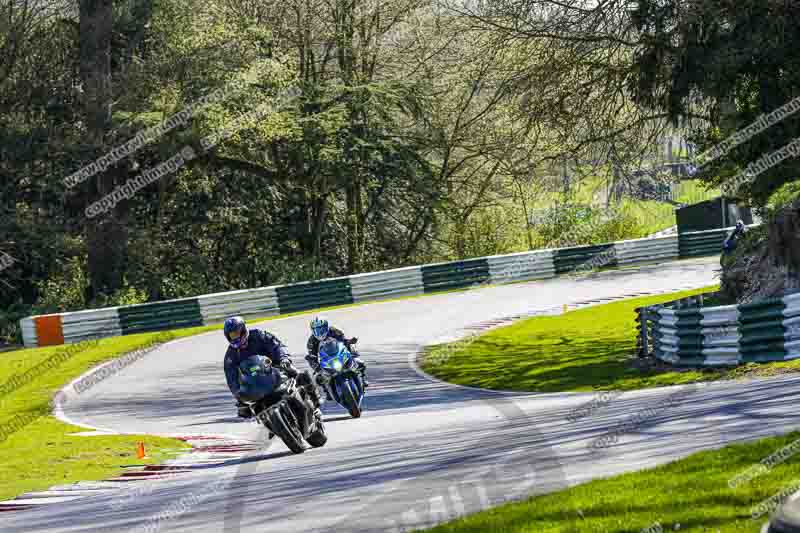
column 417, row 131
column 718, row 66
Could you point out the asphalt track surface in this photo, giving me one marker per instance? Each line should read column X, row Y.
column 424, row 451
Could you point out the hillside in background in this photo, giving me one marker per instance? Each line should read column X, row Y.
column 586, row 214
column 185, row 147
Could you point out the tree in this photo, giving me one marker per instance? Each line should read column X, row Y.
column 727, row 62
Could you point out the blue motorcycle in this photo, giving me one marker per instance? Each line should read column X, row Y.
column 343, row 378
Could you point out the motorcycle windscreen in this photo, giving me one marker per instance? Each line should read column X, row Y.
column 255, row 387
column 333, row 355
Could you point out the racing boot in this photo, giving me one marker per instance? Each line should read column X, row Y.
column 362, row 369
column 317, row 418
column 313, row 394
column 322, row 380
column 319, row 377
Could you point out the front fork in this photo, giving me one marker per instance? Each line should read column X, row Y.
column 329, row 384
column 263, row 419
column 263, row 416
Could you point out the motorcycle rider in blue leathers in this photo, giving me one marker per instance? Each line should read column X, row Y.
column 733, row 237
column 244, row 343
column 320, row 331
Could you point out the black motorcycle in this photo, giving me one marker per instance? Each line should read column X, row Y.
column 282, row 404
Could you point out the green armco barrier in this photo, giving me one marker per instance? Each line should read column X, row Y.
column 568, row 259
column 159, row 316
column 756, row 332
column 764, row 357
column 688, row 318
column 701, row 243
column 314, row 294
column 455, row 275
column 690, row 340
column 363, row 287
column 761, row 329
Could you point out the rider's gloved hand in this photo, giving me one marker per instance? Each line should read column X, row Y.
column 354, row 340
column 290, row 370
column 313, row 362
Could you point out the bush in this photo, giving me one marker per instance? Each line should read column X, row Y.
column 575, row 225
column 10, row 333
column 491, row 230
column 65, row 291
column 124, row 296
column 781, row 198
column 564, row 225
column 625, row 225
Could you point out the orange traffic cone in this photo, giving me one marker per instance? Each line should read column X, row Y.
column 140, row 451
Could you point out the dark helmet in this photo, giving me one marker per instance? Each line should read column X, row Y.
column 739, row 224
column 235, row 326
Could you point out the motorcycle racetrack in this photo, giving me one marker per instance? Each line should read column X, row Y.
column 423, row 451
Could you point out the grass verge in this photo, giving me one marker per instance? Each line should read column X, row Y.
column 689, row 495
column 583, row 350
column 45, row 454
column 38, row 451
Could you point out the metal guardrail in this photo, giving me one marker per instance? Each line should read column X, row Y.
column 248, row 303
column 703, row 243
column 47, row 330
column 644, row 250
column 685, row 333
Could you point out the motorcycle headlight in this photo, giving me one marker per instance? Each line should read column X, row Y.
column 337, row 365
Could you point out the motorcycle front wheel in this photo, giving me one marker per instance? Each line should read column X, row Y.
column 349, row 399
column 283, row 428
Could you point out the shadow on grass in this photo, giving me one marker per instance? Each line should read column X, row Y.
column 567, row 364
column 583, row 350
